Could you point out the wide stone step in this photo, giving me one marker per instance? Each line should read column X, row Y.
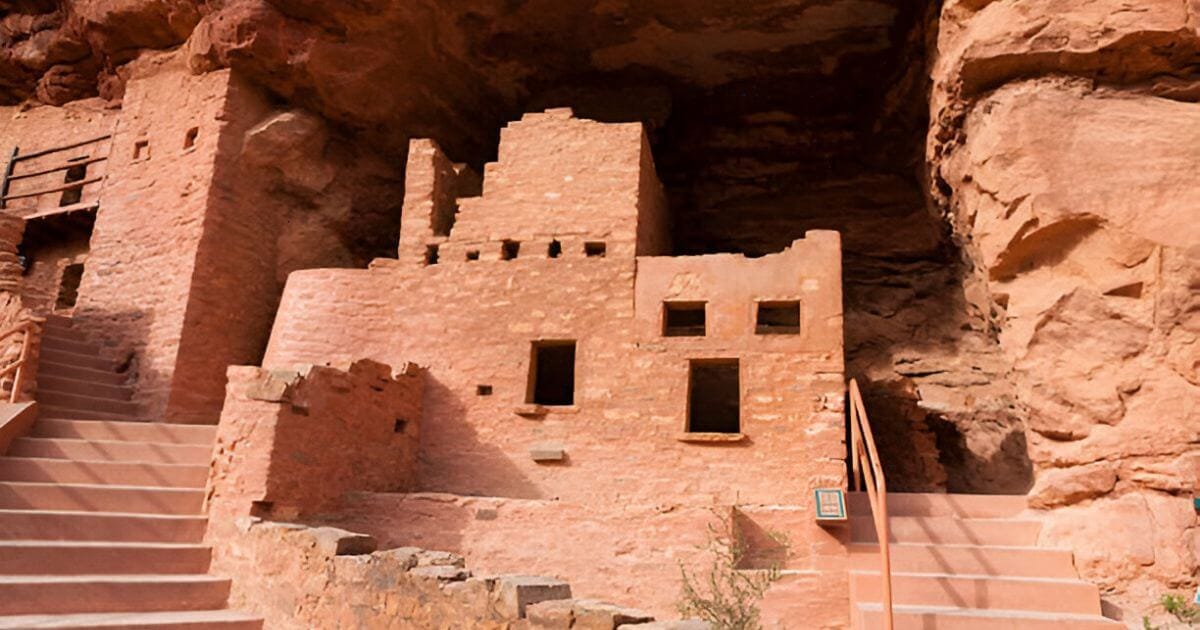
column 171, row 620
column 90, row 361
column 949, row 618
column 157, row 432
column 99, row 526
column 49, row 411
column 980, row 592
column 22, row 495
column 950, row 530
column 65, row 400
column 57, row 594
column 47, row 368
column 100, row 472
column 90, row 388
column 68, row 343
column 53, row 557
column 935, row 504
column 967, row 559
column 111, row 450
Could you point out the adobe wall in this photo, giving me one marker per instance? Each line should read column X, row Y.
column 38, row 128
column 234, row 288
column 626, row 471
column 303, row 577
column 135, row 288
column 293, row 443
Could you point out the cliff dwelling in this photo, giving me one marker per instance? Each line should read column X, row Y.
column 550, row 315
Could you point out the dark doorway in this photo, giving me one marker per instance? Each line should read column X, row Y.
column 552, row 373
column 714, row 396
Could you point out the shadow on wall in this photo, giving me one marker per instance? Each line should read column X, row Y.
column 122, row 337
column 926, row 451
column 444, row 426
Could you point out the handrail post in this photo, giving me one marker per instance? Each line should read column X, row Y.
column 19, row 376
column 865, row 462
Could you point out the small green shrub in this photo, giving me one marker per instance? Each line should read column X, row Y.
column 725, row 594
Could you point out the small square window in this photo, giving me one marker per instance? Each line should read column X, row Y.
column 483, row 390
column 431, row 254
column 141, row 150
column 594, row 250
column 683, row 319
column 509, row 250
column 555, row 249
column 473, row 254
column 778, row 318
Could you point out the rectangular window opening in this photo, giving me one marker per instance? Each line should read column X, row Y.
column 73, row 195
column 714, row 396
column 778, row 318
column 683, row 319
column 483, row 390
column 68, row 287
column 189, row 139
column 141, row 149
column 555, row 249
column 552, row 373
column 431, row 254
column 509, row 250
column 473, row 254
column 594, row 250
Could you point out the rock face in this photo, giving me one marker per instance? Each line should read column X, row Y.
column 1014, row 181
column 1063, row 151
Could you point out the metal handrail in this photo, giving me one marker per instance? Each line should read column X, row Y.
column 865, row 463
column 27, row 328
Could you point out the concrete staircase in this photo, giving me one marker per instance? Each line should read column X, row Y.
column 101, row 519
column 970, row 562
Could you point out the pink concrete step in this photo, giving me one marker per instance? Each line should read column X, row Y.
column 89, row 361
column 55, row 398
column 94, row 472
column 967, row 559
column 56, row 594
column 950, row 530
column 94, row 389
column 934, row 504
column 947, row 618
column 170, row 620
column 22, row 495
column 99, row 526
column 68, row 343
column 111, row 450
column 47, row 411
column 982, row 592
column 42, row 557
column 158, row 432
column 66, row 370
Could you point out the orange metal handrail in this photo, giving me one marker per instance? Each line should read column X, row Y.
column 865, row 463
column 27, row 328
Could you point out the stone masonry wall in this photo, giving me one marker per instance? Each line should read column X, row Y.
column 301, row 577
column 234, row 289
column 622, row 448
column 294, row 443
column 135, row 289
